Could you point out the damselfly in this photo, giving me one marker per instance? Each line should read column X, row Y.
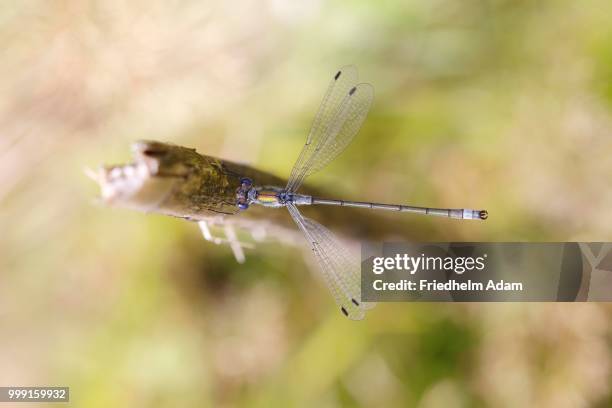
column 343, row 109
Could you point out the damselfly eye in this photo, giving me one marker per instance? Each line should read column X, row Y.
column 247, row 182
column 243, row 206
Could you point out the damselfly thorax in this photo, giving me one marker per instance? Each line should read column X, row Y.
column 268, row 196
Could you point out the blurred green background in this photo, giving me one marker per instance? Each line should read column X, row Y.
column 503, row 105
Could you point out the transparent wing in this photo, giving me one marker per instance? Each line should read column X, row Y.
column 340, row 270
column 343, row 110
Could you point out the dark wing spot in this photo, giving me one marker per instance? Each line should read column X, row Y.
column 356, row 303
column 337, row 75
column 344, row 311
column 352, row 91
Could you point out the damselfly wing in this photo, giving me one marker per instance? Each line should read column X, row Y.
column 340, row 269
column 342, row 111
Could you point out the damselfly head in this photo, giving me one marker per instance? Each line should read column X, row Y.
column 242, row 193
